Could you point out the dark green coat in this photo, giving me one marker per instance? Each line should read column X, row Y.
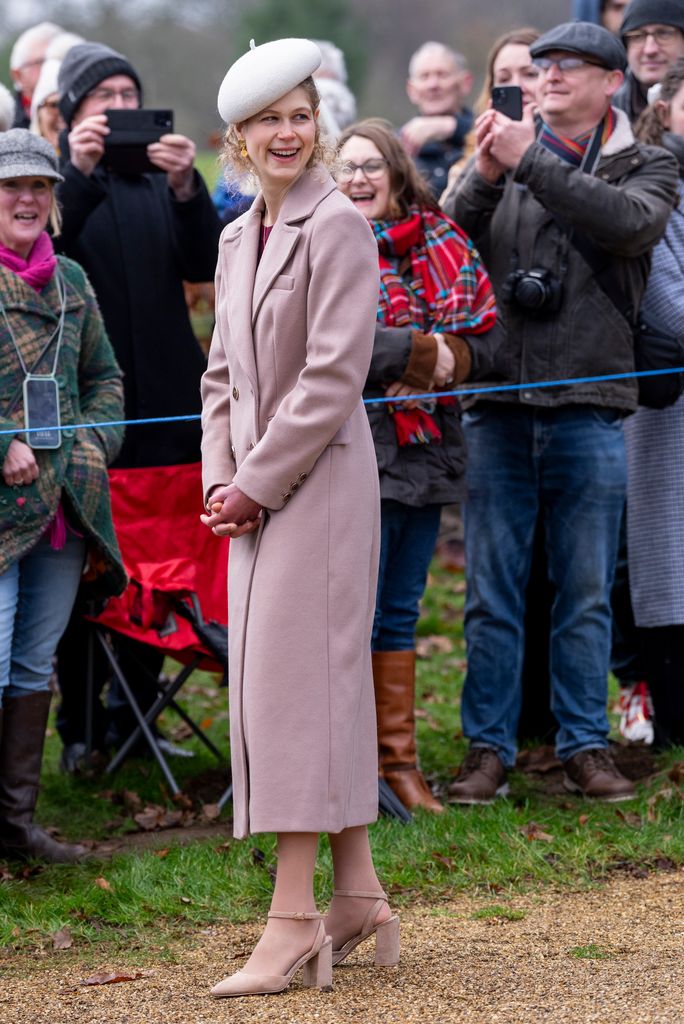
column 90, row 390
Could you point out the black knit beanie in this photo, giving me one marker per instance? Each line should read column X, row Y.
column 653, row 12
column 84, row 67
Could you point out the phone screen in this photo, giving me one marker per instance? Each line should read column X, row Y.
column 41, row 412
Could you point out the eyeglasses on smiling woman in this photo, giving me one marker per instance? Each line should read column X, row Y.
column 371, row 169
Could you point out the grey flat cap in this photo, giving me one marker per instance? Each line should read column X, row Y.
column 24, row 155
column 585, row 39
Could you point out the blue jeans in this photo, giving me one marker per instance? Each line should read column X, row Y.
column 36, row 597
column 408, row 537
column 570, row 463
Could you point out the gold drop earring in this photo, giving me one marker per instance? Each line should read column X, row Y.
column 243, row 151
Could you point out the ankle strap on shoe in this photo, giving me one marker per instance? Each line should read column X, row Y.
column 296, row 915
column 354, row 892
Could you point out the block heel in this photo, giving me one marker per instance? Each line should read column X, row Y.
column 387, row 943
column 386, row 932
column 318, row 970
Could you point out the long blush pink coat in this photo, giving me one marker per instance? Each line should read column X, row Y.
column 283, row 419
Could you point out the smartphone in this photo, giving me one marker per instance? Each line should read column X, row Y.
column 507, row 99
column 130, row 133
column 41, row 412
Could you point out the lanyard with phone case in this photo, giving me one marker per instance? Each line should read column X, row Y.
column 41, row 390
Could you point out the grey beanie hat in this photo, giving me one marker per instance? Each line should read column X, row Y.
column 653, row 12
column 585, row 39
column 84, row 67
column 23, row 155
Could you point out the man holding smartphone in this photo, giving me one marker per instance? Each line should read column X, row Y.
column 565, row 213
column 138, row 236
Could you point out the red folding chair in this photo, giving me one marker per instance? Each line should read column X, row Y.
column 176, row 599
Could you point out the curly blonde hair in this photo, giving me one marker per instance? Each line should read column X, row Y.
column 236, row 166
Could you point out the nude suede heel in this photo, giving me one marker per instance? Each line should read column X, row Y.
column 386, row 933
column 317, row 964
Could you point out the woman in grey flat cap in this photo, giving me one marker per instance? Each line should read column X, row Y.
column 56, row 366
column 290, row 476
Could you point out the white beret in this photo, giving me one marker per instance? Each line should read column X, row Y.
column 264, row 74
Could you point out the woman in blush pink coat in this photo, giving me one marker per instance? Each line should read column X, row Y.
column 290, row 475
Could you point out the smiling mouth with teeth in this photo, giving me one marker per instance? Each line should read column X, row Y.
column 284, row 152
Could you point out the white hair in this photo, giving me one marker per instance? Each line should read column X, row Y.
column 37, row 35
column 61, row 44
column 333, row 64
column 459, row 60
column 6, row 108
column 338, row 106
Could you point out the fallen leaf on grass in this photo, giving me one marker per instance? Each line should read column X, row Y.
column 446, row 861
column 629, row 817
column 63, row 939
column 541, row 760
column 102, row 883
column 583, row 819
column 156, row 817
column 426, row 646
column 110, row 978
column 676, row 773
column 160, row 853
column 211, row 811
column 5, row 875
column 185, row 899
column 532, row 832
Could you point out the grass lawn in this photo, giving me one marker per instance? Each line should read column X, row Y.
column 143, row 897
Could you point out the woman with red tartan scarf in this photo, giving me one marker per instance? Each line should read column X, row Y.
column 434, row 297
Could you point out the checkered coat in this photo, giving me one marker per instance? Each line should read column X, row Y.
column 90, row 390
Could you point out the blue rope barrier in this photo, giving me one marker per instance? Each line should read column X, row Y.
column 430, row 395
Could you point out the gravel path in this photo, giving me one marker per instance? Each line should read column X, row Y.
column 455, row 967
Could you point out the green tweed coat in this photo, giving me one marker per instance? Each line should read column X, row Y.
column 90, row 390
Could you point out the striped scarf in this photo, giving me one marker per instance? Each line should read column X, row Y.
column 444, row 288
column 572, row 150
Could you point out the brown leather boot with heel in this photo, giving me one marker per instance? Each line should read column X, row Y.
column 394, row 677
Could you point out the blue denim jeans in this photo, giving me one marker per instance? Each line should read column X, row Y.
column 36, row 597
column 569, row 462
column 408, row 537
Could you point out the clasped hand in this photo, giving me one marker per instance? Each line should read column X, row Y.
column 502, row 142
column 230, row 513
column 20, row 466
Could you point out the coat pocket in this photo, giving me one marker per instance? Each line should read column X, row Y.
column 285, row 282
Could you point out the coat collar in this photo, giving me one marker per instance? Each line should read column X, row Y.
column 249, row 283
column 22, row 297
column 621, row 138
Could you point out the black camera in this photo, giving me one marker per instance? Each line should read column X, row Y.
column 536, row 290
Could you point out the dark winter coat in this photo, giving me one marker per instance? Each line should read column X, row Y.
column 622, row 209
column 419, row 474
column 138, row 244
column 90, row 391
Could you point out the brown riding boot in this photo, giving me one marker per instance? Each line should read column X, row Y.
column 394, row 676
column 24, row 720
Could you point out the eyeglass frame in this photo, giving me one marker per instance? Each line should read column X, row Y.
column 106, row 95
column 546, row 63
column 343, row 172
column 640, row 37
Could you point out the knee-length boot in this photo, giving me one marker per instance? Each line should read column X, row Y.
column 394, row 677
column 22, row 735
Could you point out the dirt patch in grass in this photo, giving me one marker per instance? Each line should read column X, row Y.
column 607, row 956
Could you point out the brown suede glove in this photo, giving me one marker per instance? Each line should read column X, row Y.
column 463, row 360
column 421, row 364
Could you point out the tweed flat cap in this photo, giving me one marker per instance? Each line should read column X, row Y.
column 264, row 74
column 653, row 12
column 24, row 155
column 585, row 39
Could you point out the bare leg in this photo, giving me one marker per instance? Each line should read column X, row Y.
column 284, row 941
column 353, row 869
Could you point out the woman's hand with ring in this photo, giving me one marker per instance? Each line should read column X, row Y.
column 20, row 466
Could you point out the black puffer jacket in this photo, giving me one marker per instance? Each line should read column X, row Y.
column 623, row 209
column 138, row 244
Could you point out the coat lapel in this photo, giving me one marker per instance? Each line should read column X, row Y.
column 243, row 246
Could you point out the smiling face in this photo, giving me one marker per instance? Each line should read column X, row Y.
column 651, row 49
column 437, row 85
column 513, row 66
column 371, row 197
column 574, row 101
column 281, row 139
column 24, row 211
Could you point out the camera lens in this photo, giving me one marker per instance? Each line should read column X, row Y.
column 531, row 292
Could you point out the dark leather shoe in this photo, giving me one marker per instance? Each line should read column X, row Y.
column 593, row 773
column 481, row 779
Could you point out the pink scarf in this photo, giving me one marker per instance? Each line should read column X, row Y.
column 38, row 268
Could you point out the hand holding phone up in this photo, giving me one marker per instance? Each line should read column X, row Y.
column 175, row 154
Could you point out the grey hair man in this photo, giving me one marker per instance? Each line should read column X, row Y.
column 653, row 34
column 438, row 84
column 26, row 60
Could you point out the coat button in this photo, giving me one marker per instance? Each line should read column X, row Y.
column 294, row 486
column 301, row 478
column 286, row 497
column 236, row 393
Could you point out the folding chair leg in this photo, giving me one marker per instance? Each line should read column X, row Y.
column 147, row 732
column 227, row 795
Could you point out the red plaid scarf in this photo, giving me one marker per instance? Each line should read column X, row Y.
column 444, row 289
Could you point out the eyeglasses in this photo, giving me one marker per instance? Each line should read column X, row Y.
column 108, row 95
column 563, row 63
column 49, row 105
column 371, row 169
column 663, row 35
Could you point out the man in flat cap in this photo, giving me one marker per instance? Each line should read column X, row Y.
column 565, row 211
column 653, row 34
column 138, row 236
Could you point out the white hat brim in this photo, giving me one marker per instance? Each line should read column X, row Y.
column 264, row 74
